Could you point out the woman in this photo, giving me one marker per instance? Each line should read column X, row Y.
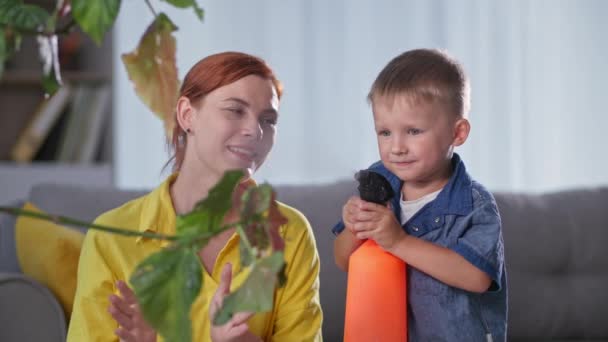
column 225, row 119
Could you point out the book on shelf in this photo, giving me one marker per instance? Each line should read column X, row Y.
column 94, row 123
column 85, row 124
column 39, row 127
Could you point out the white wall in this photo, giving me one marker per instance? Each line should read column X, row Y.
column 537, row 71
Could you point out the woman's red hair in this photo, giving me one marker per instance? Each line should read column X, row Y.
column 211, row 73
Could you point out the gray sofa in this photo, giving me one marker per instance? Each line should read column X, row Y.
column 556, row 249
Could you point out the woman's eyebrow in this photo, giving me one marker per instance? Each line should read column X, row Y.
column 246, row 104
column 239, row 100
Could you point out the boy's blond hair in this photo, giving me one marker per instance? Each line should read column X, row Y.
column 425, row 74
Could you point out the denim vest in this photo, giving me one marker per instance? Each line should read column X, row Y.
column 464, row 218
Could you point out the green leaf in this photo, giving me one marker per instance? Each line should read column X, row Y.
column 200, row 13
column 10, row 41
column 95, row 17
column 50, row 84
column 13, row 13
column 152, row 69
column 246, row 253
column 181, row 3
column 166, row 284
column 208, row 214
column 257, row 292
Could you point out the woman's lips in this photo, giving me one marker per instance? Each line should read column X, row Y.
column 244, row 153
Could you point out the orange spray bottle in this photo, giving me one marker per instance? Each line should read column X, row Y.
column 376, row 303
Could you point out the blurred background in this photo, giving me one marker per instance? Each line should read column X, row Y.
column 537, row 69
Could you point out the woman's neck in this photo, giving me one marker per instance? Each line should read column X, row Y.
column 189, row 188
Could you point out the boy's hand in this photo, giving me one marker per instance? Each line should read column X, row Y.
column 369, row 220
column 349, row 213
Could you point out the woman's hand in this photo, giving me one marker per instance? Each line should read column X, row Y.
column 124, row 309
column 236, row 329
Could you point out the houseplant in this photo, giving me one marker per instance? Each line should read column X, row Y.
column 171, row 276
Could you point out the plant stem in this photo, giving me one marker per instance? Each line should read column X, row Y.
column 60, row 31
column 67, row 28
column 151, row 8
column 73, row 222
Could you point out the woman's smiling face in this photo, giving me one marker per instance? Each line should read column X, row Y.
column 234, row 127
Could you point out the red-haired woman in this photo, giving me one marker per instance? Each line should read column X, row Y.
column 225, row 119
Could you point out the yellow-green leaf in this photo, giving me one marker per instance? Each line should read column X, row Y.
column 152, row 69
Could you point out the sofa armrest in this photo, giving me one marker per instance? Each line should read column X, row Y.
column 29, row 311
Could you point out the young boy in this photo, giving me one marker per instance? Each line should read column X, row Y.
column 443, row 224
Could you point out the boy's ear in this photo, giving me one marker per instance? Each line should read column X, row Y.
column 184, row 112
column 461, row 131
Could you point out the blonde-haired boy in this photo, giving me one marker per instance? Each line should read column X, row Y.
column 443, row 224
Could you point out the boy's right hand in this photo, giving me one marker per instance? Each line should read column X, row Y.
column 350, row 211
column 368, row 220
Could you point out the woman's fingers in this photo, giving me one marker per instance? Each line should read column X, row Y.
column 125, row 335
column 240, row 317
column 225, row 279
column 223, row 289
column 122, row 305
column 122, row 319
column 238, row 330
column 237, row 326
column 126, row 292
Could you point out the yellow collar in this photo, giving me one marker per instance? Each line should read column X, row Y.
column 158, row 214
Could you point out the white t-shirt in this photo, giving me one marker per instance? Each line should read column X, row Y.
column 410, row 208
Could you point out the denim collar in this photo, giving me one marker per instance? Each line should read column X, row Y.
column 455, row 197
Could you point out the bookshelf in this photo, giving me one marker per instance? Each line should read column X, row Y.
column 84, row 65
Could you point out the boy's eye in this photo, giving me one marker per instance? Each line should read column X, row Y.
column 384, row 133
column 414, row 131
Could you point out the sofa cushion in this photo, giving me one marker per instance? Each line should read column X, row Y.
column 557, row 263
column 49, row 253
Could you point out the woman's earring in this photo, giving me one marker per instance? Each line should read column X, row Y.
column 180, row 139
column 188, row 130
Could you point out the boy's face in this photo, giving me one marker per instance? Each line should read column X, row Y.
column 415, row 139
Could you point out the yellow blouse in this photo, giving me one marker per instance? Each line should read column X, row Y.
column 107, row 258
